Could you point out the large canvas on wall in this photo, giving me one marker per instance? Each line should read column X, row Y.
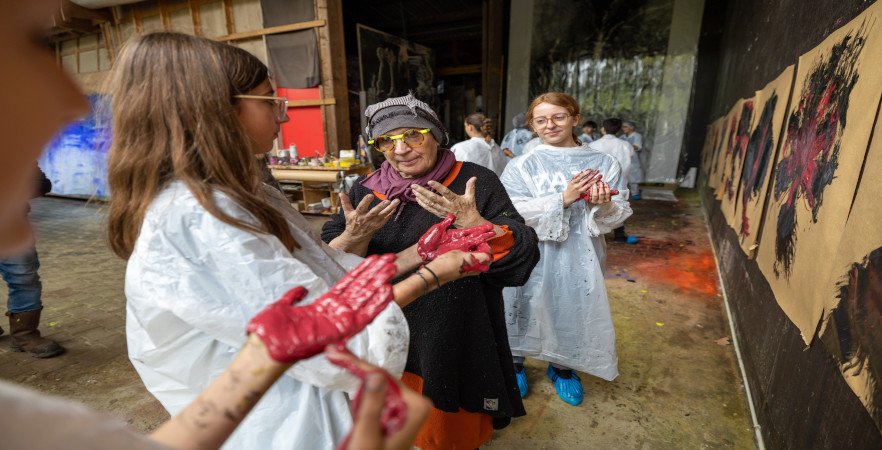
column 852, row 332
column 832, row 112
column 759, row 158
column 711, row 170
column 732, row 175
column 391, row 66
column 724, row 159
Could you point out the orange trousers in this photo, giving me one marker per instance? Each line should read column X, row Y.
column 443, row 430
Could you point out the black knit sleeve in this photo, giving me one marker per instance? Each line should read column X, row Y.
column 495, row 205
column 335, row 227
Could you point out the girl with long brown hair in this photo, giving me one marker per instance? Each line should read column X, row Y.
column 562, row 314
column 208, row 245
column 480, row 148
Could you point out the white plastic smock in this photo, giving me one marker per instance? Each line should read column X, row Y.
column 639, row 160
column 192, row 284
column 561, row 314
column 482, row 153
column 619, row 149
column 531, row 144
column 515, row 140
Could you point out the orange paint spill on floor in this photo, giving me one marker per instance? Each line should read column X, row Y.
column 682, row 270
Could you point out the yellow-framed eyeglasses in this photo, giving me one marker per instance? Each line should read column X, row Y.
column 413, row 137
column 279, row 104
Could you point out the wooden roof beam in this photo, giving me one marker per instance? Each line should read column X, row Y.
column 71, row 10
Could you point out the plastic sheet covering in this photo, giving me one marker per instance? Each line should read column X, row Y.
column 192, row 284
column 634, row 60
column 293, row 56
column 561, row 314
column 478, row 151
column 36, row 420
column 515, row 140
column 531, row 144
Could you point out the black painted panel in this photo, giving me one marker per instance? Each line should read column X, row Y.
column 801, row 399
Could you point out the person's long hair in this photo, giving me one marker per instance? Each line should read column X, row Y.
column 481, row 123
column 173, row 117
column 557, row 99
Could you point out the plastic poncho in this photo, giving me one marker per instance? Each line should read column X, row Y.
column 639, row 161
column 192, row 284
column 619, row 149
column 531, row 144
column 515, row 140
column 561, row 314
column 482, row 153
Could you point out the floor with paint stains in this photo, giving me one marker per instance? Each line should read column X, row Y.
column 679, row 384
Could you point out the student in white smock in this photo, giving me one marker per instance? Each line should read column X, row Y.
column 561, row 315
column 209, row 245
column 640, row 160
column 480, row 148
column 623, row 152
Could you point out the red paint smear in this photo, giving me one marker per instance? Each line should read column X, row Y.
column 688, row 272
column 438, row 240
column 292, row 332
column 394, row 409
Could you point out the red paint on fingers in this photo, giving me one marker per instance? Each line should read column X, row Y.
column 394, row 409
column 292, row 332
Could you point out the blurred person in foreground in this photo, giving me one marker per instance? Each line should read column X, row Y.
column 39, row 421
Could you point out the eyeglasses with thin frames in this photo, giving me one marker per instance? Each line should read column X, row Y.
column 413, row 137
column 279, row 104
column 558, row 119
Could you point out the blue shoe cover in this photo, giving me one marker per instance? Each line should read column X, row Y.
column 635, row 197
column 632, row 239
column 569, row 390
column 521, row 375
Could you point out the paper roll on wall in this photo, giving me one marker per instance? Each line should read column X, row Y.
column 306, row 175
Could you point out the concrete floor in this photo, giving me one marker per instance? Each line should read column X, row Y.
column 679, row 384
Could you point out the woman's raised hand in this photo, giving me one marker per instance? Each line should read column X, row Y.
column 363, row 221
column 599, row 193
column 439, row 239
column 579, row 186
column 446, row 202
column 292, row 332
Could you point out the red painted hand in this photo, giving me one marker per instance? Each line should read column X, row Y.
column 439, row 239
column 394, row 408
column 598, row 181
column 291, row 333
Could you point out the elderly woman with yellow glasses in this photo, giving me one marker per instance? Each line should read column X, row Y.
column 459, row 354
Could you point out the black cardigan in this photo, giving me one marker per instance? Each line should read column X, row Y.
column 458, row 340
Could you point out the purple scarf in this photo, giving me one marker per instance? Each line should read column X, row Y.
column 390, row 183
